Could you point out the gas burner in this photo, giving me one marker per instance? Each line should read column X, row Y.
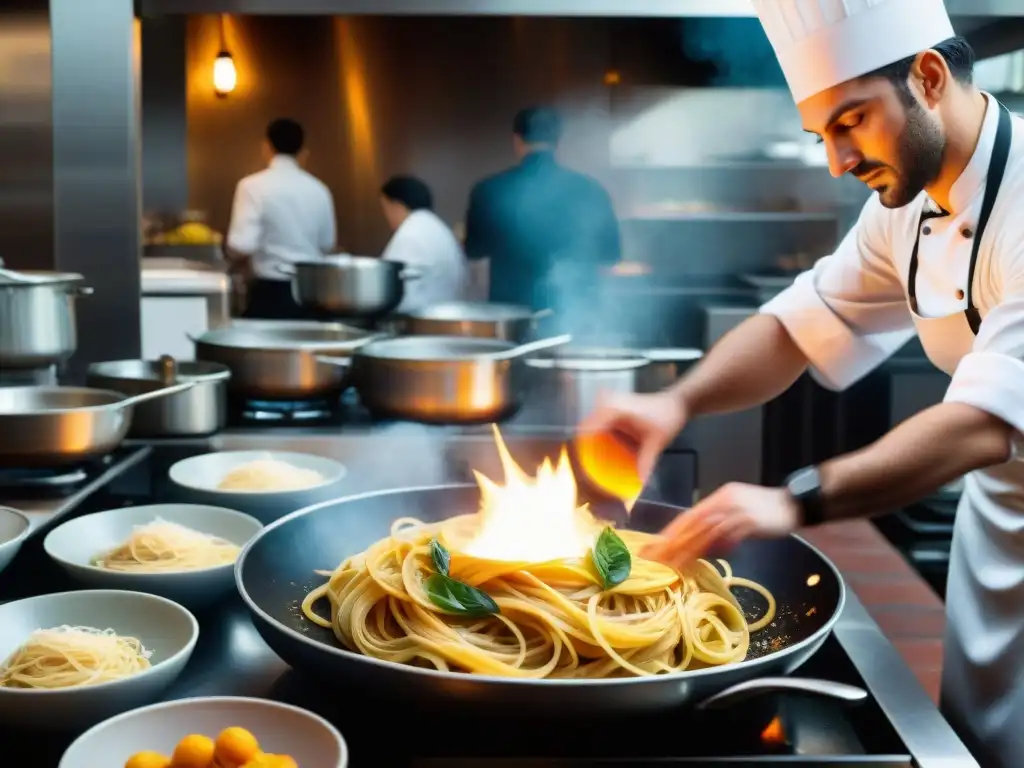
column 30, row 377
column 286, row 412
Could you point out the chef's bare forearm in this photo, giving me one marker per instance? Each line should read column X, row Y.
column 919, row 456
column 750, row 365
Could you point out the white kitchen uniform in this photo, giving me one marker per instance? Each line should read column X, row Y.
column 281, row 214
column 963, row 295
column 428, row 246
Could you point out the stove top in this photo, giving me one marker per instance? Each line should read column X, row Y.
column 56, row 482
column 896, row 727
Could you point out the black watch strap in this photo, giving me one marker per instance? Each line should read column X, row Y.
column 804, row 486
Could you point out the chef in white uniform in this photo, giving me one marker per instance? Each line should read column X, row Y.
column 938, row 251
column 423, row 242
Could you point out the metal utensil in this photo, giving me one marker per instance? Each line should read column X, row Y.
column 438, row 379
column 510, row 322
column 276, row 569
column 349, row 286
column 201, row 410
column 53, row 426
column 522, row 350
column 37, row 319
column 282, row 361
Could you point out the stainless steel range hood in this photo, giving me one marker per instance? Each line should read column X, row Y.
column 598, row 8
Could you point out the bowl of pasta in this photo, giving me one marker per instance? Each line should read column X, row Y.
column 71, row 659
column 211, row 731
column 264, row 484
column 14, row 528
column 184, row 552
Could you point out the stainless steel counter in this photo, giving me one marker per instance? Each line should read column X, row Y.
column 232, row 659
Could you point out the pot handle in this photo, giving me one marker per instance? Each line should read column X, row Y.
column 541, row 314
column 410, row 273
column 286, row 269
column 338, row 362
column 751, row 688
column 81, row 290
column 134, row 400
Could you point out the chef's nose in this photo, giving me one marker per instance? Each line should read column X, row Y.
column 842, row 158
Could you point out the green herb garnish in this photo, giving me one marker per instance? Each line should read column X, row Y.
column 611, row 558
column 458, row 598
column 442, row 559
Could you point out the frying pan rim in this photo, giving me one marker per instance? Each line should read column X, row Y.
column 114, row 396
column 812, row 640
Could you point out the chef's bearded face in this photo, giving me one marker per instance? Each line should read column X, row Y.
column 887, row 129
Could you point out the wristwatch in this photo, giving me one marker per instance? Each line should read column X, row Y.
column 804, row 486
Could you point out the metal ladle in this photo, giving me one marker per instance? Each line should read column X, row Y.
column 529, row 348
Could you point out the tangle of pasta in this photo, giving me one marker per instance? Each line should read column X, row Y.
column 556, row 619
column 162, row 547
column 69, row 657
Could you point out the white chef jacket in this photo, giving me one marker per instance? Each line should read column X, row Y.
column 850, row 312
column 281, row 214
column 426, row 244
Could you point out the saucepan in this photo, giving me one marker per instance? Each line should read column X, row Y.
column 201, row 410
column 349, row 286
column 442, row 379
column 279, row 566
column 509, row 322
column 54, row 426
column 279, row 360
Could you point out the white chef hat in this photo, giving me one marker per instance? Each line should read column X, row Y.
column 822, row 43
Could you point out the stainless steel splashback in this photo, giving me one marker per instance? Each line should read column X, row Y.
column 26, row 151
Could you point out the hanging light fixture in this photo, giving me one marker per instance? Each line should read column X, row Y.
column 225, row 77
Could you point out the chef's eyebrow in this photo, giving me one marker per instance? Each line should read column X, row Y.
column 838, row 112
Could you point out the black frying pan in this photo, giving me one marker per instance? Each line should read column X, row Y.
column 275, row 571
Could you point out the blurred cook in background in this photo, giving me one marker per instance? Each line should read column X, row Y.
column 280, row 215
column 538, row 233
column 422, row 241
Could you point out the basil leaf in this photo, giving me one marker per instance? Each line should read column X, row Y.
column 442, row 560
column 611, row 558
column 458, row 598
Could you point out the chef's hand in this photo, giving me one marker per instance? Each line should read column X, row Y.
column 734, row 512
column 649, row 422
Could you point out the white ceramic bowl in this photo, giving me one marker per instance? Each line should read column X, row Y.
column 280, row 729
column 14, row 528
column 76, row 543
column 197, row 478
column 164, row 627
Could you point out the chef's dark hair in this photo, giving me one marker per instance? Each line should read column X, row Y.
column 411, row 192
column 285, row 136
column 959, row 58
column 538, row 125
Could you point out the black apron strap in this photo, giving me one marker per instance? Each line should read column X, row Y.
column 993, row 180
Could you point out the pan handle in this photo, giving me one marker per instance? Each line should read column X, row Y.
column 128, row 402
column 751, row 688
column 410, row 273
column 541, row 313
column 338, row 362
column 286, row 269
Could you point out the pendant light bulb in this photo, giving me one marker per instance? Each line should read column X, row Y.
column 225, row 77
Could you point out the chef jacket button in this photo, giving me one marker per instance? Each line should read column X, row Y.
column 967, row 232
column 959, row 294
column 926, row 231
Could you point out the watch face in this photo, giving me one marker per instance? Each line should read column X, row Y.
column 804, row 481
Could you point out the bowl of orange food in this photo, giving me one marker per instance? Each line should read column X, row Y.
column 211, row 732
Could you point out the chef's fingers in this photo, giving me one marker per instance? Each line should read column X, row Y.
column 685, row 528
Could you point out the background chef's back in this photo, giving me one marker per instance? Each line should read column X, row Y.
column 545, row 230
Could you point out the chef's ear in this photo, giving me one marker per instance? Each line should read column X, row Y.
column 931, row 75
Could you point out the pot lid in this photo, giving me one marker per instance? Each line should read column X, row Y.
column 40, row 277
column 152, row 370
